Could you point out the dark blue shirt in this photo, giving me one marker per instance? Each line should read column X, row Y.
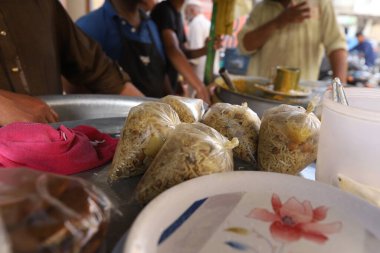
column 104, row 24
column 167, row 17
column 369, row 54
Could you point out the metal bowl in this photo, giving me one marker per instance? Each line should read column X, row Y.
column 82, row 107
column 256, row 103
column 256, row 99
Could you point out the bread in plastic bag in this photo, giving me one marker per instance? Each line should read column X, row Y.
column 189, row 110
column 288, row 139
column 144, row 132
column 236, row 121
column 43, row 212
column 191, row 150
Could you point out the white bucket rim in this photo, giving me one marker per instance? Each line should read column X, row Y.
column 353, row 112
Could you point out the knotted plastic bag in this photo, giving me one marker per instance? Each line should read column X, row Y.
column 288, row 139
column 189, row 110
column 145, row 131
column 236, row 121
column 43, row 212
column 192, row 150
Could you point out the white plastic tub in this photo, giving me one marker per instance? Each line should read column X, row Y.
column 349, row 141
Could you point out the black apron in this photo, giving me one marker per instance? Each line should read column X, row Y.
column 144, row 65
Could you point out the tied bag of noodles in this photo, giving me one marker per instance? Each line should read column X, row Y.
column 288, row 139
column 145, row 131
column 236, row 121
column 192, row 150
column 189, row 110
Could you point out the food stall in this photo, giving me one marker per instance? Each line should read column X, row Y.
column 237, row 175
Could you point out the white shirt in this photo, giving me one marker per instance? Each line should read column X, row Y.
column 199, row 30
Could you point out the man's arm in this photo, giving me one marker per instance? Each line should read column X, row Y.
column 22, row 108
column 338, row 61
column 182, row 65
column 127, row 90
column 130, row 90
column 255, row 39
column 196, row 53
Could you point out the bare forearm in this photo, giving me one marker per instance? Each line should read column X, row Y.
column 6, row 94
column 338, row 61
column 130, row 90
column 195, row 53
column 23, row 108
column 255, row 39
column 182, row 65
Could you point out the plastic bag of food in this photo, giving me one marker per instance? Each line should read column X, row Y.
column 191, row 150
column 144, row 132
column 189, row 110
column 43, row 212
column 236, row 121
column 288, row 139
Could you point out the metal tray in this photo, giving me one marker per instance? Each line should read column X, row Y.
column 107, row 113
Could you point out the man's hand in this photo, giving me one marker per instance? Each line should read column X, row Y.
column 217, row 44
column 294, row 13
column 203, row 93
column 22, row 108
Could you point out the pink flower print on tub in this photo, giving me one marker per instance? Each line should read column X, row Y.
column 294, row 220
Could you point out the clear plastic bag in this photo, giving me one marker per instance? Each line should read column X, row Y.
column 192, row 150
column 189, row 110
column 236, row 121
column 288, row 139
column 145, row 131
column 43, row 212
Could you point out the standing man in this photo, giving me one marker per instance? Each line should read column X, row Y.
column 131, row 38
column 168, row 17
column 281, row 32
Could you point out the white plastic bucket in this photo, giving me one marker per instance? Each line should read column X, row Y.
column 349, row 141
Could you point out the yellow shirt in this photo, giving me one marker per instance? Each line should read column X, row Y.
column 296, row 45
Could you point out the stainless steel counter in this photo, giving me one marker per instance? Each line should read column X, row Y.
column 107, row 113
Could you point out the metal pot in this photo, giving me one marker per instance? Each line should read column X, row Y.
column 259, row 103
column 256, row 103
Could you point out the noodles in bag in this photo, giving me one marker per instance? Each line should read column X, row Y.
column 236, row 121
column 189, row 110
column 288, row 139
column 145, row 131
column 192, row 150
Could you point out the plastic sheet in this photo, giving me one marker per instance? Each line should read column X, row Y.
column 42, row 212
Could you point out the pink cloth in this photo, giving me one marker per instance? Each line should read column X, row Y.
column 62, row 151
